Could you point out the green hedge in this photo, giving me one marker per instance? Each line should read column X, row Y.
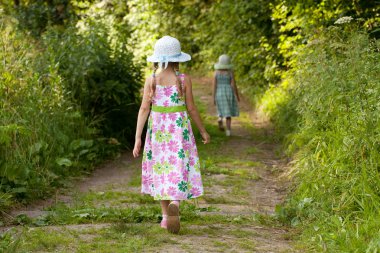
column 69, row 99
column 43, row 136
column 333, row 127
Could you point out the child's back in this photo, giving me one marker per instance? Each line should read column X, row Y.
column 170, row 166
column 225, row 92
column 170, row 161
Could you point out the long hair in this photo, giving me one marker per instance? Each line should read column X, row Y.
column 179, row 86
column 153, row 83
column 178, row 82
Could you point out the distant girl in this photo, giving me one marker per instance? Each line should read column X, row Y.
column 225, row 92
column 170, row 165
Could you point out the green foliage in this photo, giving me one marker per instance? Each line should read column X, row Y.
column 241, row 29
column 98, row 70
column 36, row 15
column 43, row 136
column 153, row 19
column 70, row 80
column 335, row 104
column 61, row 94
column 9, row 242
column 298, row 22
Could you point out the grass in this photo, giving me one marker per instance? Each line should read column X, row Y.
column 45, row 137
column 118, row 219
column 123, row 235
column 328, row 116
column 117, row 197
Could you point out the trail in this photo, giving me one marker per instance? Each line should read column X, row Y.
column 244, row 180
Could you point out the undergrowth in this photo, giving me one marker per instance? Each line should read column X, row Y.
column 67, row 97
column 331, row 127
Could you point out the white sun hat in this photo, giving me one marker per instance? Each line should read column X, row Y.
column 168, row 49
column 224, row 62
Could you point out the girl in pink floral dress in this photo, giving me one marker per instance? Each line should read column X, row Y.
column 170, row 166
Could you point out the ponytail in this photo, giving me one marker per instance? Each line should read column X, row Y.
column 180, row 87
column 153, row 83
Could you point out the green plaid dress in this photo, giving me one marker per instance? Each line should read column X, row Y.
column 225, row 98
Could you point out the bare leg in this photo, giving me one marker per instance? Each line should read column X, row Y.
column 173, row 224
column 220, row 123
column 228, row 124
column 164, row 206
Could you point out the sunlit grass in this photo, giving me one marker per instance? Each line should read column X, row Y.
column 125, row 220
column 326, row 115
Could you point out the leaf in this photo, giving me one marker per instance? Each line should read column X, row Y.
column 82, row 215
column 82, row 152
column 19, row 190
column 37, row 147
column 7, row 133
column 295, row 222
column 81, row 143
column 64, row 162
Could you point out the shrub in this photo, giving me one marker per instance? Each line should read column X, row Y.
column 64, row 95
column 97, row 67
column 336, row 141
column 43, row 136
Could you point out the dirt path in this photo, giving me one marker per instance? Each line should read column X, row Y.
column 243, row 178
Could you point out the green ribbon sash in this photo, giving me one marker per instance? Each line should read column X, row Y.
column 169, row 109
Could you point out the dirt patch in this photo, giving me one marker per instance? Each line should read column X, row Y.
column 231, row 238
column 268, row 190
column 110, row 173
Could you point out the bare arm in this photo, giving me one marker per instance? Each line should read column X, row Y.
column 234, row 87
column 214, row 88
column 143, row 115
column 192, row 109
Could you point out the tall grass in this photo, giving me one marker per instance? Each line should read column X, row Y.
column 332, row 128
column 94, row 58
column 44, row 137
column 69, row 95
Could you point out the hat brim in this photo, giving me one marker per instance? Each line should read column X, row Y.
column 183, row 57
column 223, row 66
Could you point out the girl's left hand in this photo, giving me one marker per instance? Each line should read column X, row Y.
column 136, row 149
column 205, row 137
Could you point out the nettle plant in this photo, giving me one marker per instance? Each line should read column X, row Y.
column 335, row 141
column 37, row 122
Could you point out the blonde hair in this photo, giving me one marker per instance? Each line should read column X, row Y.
column 180, row 87
column 153, row 83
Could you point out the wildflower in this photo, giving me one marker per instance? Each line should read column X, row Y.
column 343, row 20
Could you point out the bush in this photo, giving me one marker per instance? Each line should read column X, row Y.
column 43, row 136
column 99, row 73
column 335, row 101
column 68, row 98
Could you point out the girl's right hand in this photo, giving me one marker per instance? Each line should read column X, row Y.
column 136, row 149
column 205, row 137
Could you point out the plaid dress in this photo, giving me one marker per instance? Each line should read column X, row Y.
column 225, row 98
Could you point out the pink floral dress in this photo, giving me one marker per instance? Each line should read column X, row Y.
column 170, row 166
